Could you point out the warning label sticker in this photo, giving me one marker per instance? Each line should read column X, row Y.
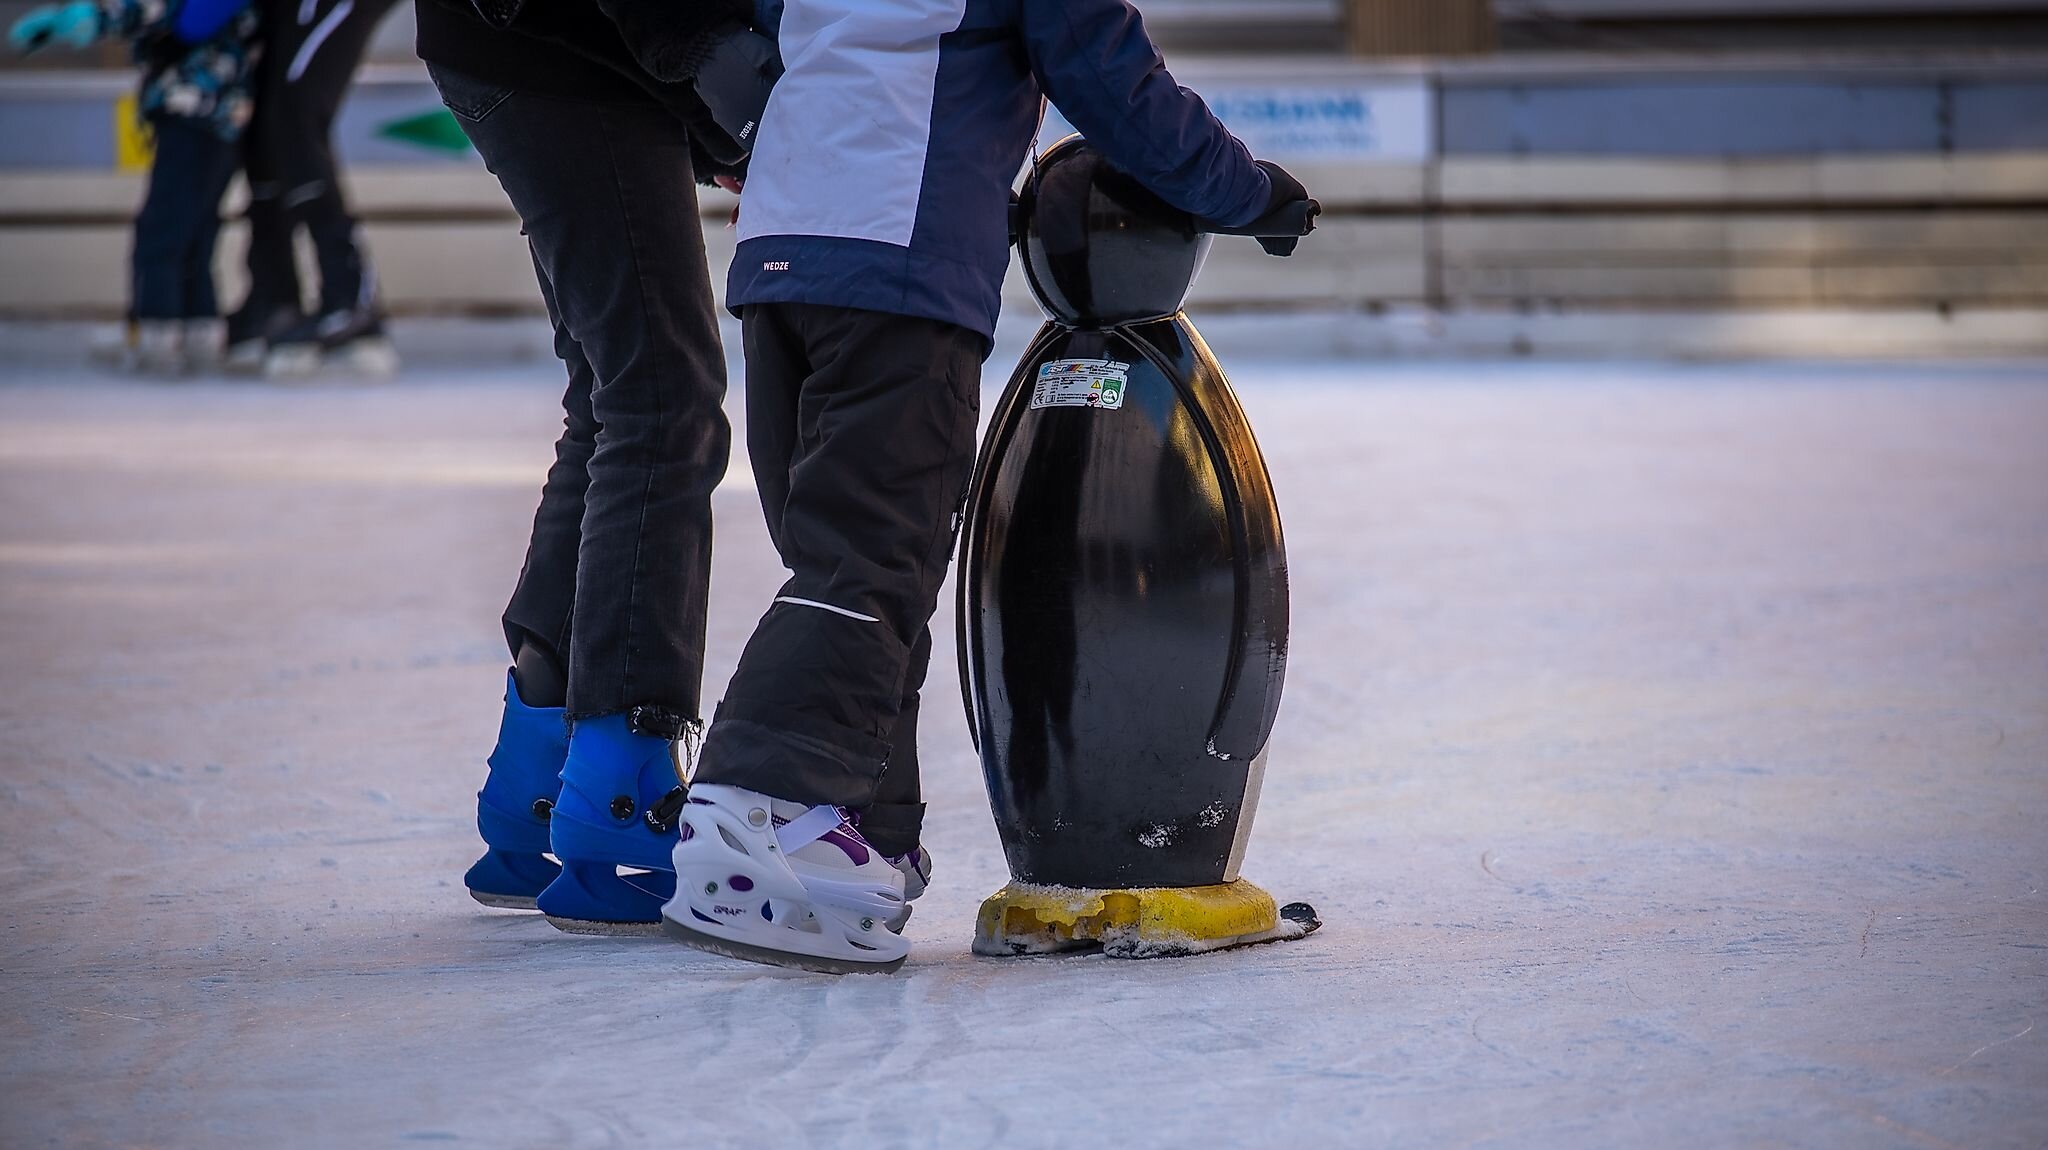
column 1080, row 383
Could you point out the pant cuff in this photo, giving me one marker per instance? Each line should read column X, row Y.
column 892, row 828
column 787, row 764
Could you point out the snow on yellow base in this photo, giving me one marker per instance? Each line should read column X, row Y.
column 1147, row 922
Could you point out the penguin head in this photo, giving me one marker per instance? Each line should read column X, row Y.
column 1099, row 249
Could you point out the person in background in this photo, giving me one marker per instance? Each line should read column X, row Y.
column 196, row 58
column 311, row 51
column 598, row 117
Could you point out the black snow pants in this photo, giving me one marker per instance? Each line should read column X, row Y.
column 310, row 53
column 861, row 428
column 619, row 565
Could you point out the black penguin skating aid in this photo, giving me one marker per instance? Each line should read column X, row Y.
column 1123, row 594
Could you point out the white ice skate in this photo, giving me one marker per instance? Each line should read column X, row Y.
column 776, row 882
column 205, row 343
column 113, row 347
column 368, row 358
column 248, row 357
column 152, row 347
column 349, row 341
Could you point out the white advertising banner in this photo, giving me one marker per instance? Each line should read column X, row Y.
column 1320, row 119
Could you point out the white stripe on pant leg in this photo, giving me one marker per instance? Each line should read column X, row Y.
column 305, row 194
column 791, row 599
column 317, row 37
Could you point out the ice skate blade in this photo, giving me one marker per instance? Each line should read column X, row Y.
column 498, row 901
column 588, row 926
column 371, row 357
column 747, row 952
column 244, row 361
column 291, row 366
column 1148, row 922
column 369, row 360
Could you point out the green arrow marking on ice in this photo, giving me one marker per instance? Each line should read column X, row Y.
column 435, row 130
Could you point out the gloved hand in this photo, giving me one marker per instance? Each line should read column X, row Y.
column 73, row 25
column 1286, row 190
column 734, row 81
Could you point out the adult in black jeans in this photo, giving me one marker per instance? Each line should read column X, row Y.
column 310, row 54
column 606, row 626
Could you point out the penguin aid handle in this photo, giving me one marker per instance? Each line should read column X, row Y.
column 1291, row 220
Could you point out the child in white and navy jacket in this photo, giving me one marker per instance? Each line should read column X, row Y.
column 873, row 240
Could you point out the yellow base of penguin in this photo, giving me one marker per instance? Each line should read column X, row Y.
column 1146, row 922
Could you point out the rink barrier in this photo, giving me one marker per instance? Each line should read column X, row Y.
column 1526, row 186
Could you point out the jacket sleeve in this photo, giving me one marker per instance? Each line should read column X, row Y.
column 1100, row 69
column 198, row 21
column 602, row 43
column 670, row 39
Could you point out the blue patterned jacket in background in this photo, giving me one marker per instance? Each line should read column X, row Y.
column 198, row 57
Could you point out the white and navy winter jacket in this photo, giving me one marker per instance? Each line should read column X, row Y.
column 881, row 177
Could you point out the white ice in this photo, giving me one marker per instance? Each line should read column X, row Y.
column 1666, row 748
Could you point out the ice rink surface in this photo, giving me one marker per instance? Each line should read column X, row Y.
column 1666, row 748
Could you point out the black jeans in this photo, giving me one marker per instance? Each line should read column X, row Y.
column 310, row 54
column 172, row 264
column 620, row 561
column 860, row 426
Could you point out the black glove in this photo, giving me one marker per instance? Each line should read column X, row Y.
column 707, row 165
column 1286, row 190
column 734, row 80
